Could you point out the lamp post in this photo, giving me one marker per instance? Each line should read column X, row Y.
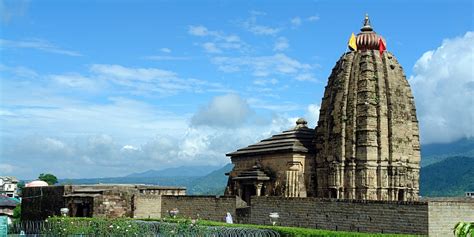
column 274, row 217
column 64, row 211
column 173, row 212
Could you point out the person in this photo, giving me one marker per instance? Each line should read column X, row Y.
column 228, row 218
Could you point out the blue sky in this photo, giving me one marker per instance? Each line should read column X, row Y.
column 107, row 88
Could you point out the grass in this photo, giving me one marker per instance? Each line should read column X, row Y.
column 287, row 231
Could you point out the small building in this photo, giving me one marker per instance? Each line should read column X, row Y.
column 7, row 204
column 470, row 194
column 277, row 166
column 100, row 200
column 9, row 186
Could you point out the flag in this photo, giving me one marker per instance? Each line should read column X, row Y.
column 381, row 46
column 352, row 43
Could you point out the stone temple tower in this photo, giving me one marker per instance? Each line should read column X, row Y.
column 367, row 140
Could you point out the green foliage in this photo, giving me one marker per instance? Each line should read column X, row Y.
column 285, row 231
column 439, row 179
column 48, row 178
column 464, row 229
column 17, row 212
column 68, row 226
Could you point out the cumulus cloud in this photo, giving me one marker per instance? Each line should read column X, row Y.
column 223, row 111
column 37, row 44
column 442, row 83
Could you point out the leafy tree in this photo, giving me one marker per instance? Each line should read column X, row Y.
column 48, row 178
column 17, row 212
column 464, row 229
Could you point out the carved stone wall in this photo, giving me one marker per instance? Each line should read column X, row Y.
column 367, row 139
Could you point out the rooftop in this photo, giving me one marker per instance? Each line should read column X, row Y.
column 298, row 139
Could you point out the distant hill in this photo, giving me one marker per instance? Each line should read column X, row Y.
column 184, row 171
column 162, row 181
column 211, row 184
column 206, row 183
column 432, row 153
column 451, row 177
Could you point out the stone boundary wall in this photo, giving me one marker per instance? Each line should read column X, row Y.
column 207, row 207
column 343, row 215
column 38, row 203
column 146, row 206
column 444, row 214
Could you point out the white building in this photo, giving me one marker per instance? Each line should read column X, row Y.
column 8, row 186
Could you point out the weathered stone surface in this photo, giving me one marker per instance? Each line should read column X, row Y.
column 367, row 116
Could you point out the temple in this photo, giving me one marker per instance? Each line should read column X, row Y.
column 365, row 145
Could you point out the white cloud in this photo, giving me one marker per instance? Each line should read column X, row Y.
column 37, row 44
column 75, row 80
column 280, row 107
column 442, row 83
column 166, row 58
column 223, row 111
column 210, row 47
column 312, row 115
column 199, row 31
column 219, row 40
column 150, row 80
column 296, row 22
column 306, row 77
column 263, row 66
column 264, row 82
column 313, row 18
column 165, row 50
column 6, row 169
column 128, row 136
column 12, row 9
column 251, row 25
column 281, row 44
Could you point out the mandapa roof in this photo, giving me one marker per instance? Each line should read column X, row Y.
column 298, row 139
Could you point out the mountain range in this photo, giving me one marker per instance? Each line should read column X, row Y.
column 447, row 170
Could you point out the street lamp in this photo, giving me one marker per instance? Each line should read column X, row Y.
column 64, row 211
column 173, row 212
column 274, row 217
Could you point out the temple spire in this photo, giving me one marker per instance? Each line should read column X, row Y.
column 366, row 26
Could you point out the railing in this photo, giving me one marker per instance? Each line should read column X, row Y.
column 136, row 228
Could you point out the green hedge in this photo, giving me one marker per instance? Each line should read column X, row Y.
column 284, row 230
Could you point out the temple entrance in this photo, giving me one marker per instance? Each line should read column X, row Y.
column 248, row 191
column 251, row 183
column 80, row 207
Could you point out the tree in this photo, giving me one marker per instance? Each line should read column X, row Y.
column 464, row 229
column 48, row 178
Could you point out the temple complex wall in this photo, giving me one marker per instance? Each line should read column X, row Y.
column 202, row 207
column 433, row 217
